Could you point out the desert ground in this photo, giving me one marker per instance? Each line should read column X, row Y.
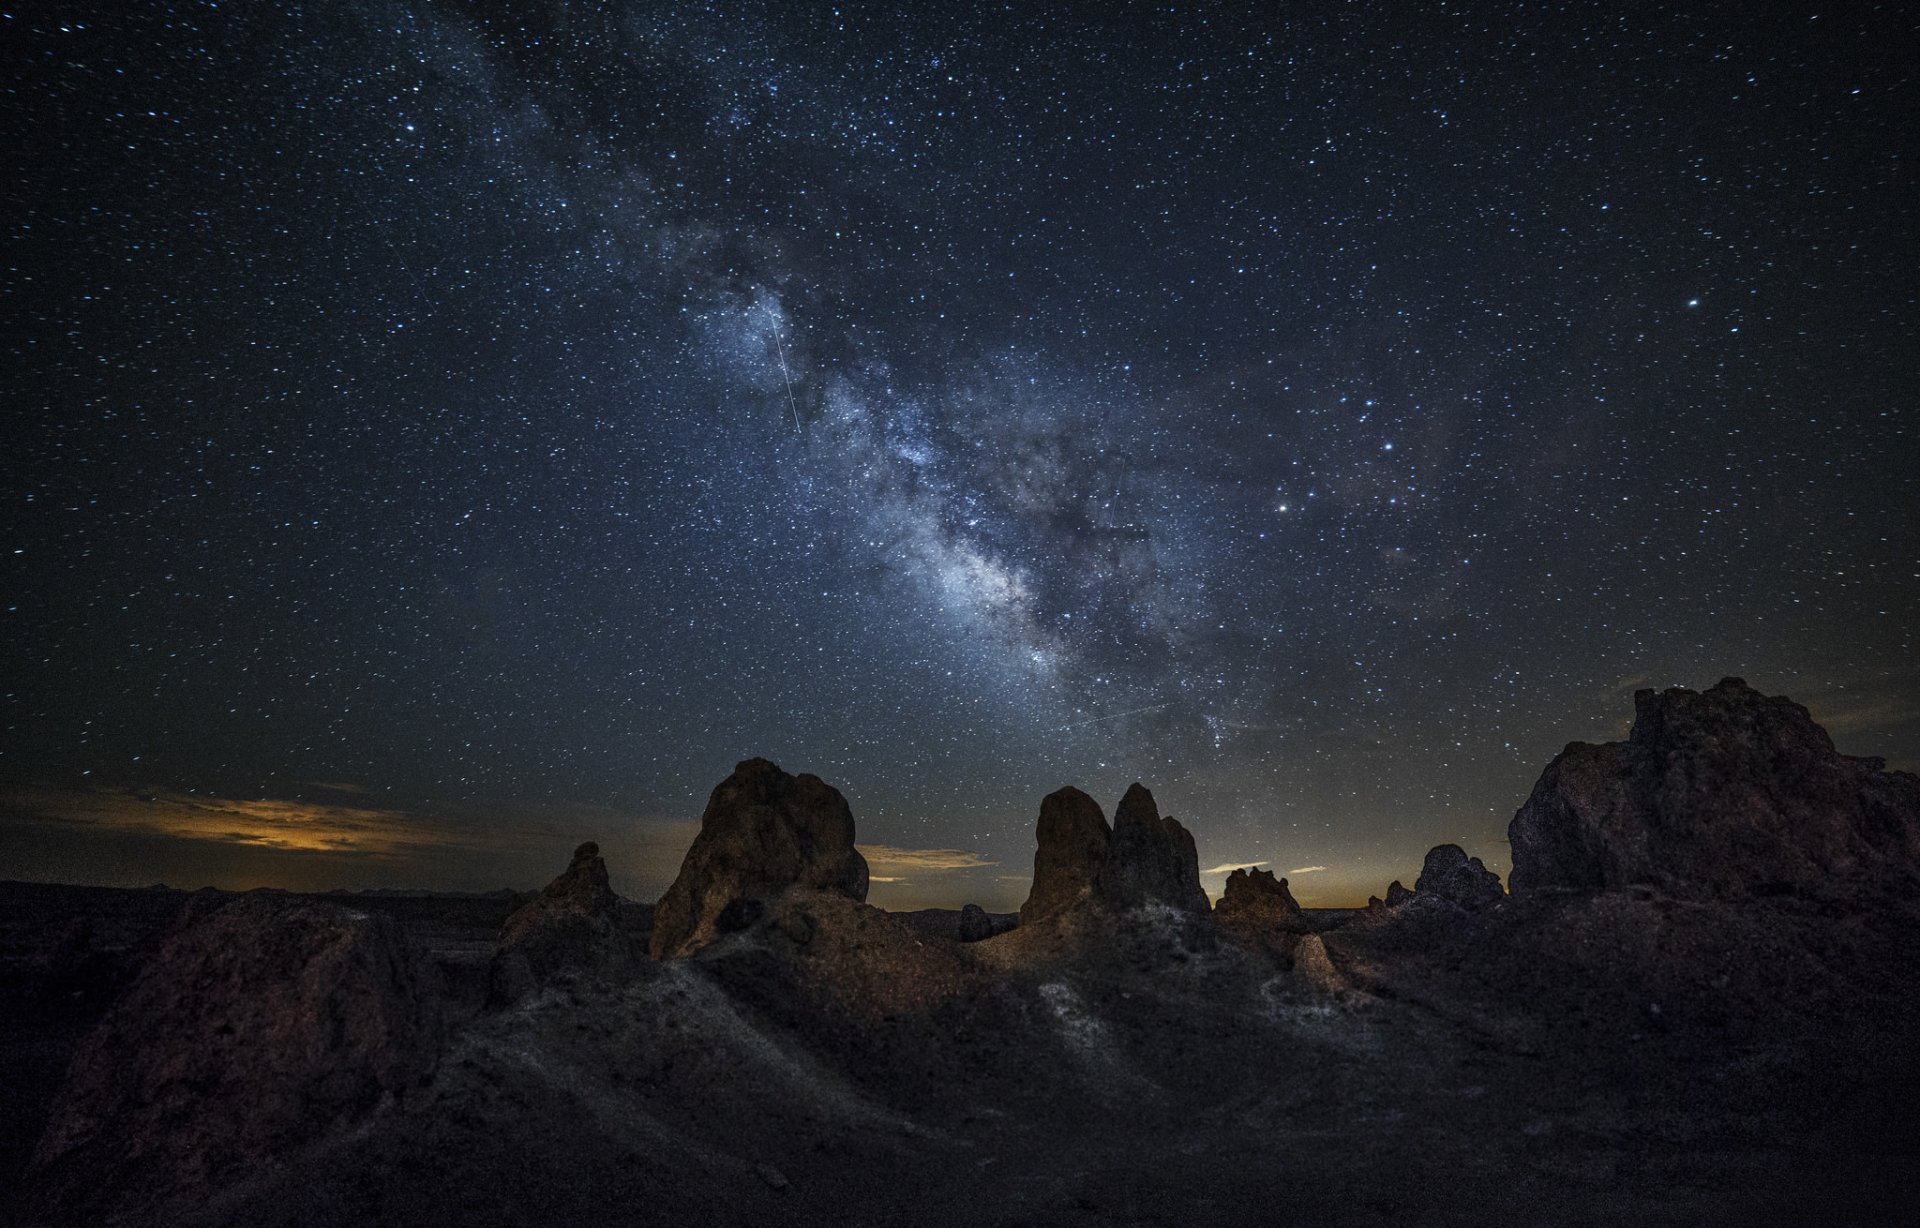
column 761, row 1046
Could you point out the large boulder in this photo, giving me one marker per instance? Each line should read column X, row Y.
column 1074, row 841
column 258, row 1026
column 577, row 924
column 1152, row 859
column 763, row 831
column 1142, row 859
column 1722, row 792
column 1449, row 874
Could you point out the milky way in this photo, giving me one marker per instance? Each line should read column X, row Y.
column 1318, row 413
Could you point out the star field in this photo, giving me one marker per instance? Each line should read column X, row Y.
column 1320, row 412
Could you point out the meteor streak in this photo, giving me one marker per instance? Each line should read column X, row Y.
column 781, row 351
column 1114, row 716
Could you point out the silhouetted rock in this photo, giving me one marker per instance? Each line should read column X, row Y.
column 763, row 831
column 1722, row 792
column 1074, row 841
column 975, row 924
column 1258, row 909
column 1449, row 874
column 1255, row 895
column 957, row 924
column 1142, row 859
column 575, row 924
column 1151, row 859
column 258, row 1026
column 1397, row 894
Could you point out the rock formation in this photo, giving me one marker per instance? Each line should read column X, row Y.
column 763, row 832
column 1314, row 969
column 1152, row 859
column 577, row 923
column 1143, row 859
column 975, row 924
column 1397, row 894
column 1449, row 874
column 1074, row 841
column 1256, row 897
column 257, row 1027
column 1723, row 792
column 1257, row 909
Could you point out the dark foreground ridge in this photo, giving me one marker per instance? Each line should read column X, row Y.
column 1698, row 1006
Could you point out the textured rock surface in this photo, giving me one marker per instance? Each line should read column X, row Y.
column 1257, row 909
column 576, row 924
column 866, row 961
column 1449, row 874
column 257, row 1027
column 1622, row 1058
column 1397, row 894
column 1152, row 859
column 1074, row 841
column 1142, row 859
column 1314, row 969
column 763, row 831
column 1722, row 792
column 1254, row 895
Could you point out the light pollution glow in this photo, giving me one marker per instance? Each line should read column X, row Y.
column 137, row 836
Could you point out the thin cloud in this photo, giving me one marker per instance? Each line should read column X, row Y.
column 1307, row 870
column 305, row 845
column 262, row 822
column 1231, row 866
column 1847, row 715
column 885, row 856
column 335, row 786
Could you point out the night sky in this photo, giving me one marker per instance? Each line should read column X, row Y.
column 438, row 433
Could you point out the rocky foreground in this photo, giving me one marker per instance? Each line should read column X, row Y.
column 1697, row 1005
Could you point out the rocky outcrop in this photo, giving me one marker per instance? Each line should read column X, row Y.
column 1450, row 875
column 975, row 924
column 258, row 1026
column 1152, row 859
column 577, row 924
column 763, row 831
column 1142, row 859
column 1313, row 968
column 1722, row 792
column 1397, row 894
column 1255, row 896
column 1074, row 841
column 823, row 947
column 1257, row 909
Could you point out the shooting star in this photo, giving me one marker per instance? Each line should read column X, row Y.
column 1114, row 716
column 781, row 350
